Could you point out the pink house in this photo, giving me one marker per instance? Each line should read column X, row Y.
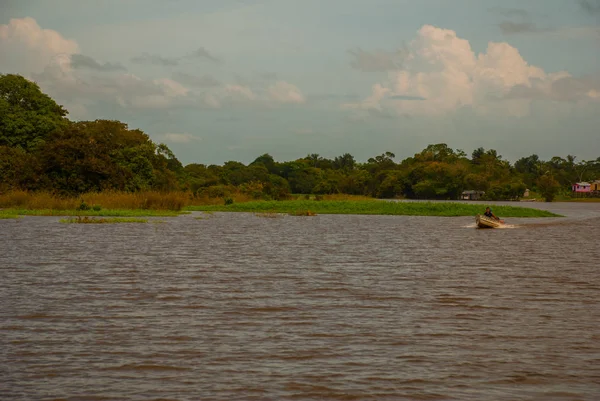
column 581, row 187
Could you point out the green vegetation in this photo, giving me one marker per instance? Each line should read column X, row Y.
column 101, row 220
column 374, row 207
column 50, row 162
column 8, row 215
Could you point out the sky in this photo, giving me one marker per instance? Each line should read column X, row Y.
column 220, row 80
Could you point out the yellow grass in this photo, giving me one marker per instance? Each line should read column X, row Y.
column 149, row 200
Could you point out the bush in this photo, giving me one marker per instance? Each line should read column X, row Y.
column 83, row 206
column 228, row 201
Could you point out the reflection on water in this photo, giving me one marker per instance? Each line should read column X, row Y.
column 238, row 307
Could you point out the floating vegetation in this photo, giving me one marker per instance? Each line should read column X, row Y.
column 205, row 216
column 302, row 213
column 102, row 220
column 269, row 215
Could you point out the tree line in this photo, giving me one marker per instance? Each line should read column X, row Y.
column 42, row 150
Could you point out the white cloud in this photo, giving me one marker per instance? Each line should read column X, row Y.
column 24, row 45
column 171, row 88
column 441, row 74
column 231, row 95
column 239, row 92
column 180, row 138
column 56, row 64
column 283, row 92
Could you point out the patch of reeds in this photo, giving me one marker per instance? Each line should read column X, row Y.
column 102, row 220
column 102, row 212
column 96, row 201
column 147, row 200
column 376, row 207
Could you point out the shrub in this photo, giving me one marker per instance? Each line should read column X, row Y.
column 83, row 206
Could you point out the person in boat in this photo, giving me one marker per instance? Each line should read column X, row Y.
column 488, row 213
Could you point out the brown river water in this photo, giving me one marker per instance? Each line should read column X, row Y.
column 331, row 307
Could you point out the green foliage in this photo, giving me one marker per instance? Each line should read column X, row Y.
column 27, row 116
column 83, row 206
column 548, row 187
column 41, row 150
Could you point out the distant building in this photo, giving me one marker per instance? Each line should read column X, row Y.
column 595, row 186
column 581, row 187
column 472, row 195
column 526, row 193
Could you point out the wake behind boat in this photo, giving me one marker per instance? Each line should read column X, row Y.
column 487, row 222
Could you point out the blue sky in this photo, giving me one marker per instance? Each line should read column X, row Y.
column 220, row 80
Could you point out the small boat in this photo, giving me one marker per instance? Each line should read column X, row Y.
column 487, row 222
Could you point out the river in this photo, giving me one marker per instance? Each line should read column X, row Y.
column 330, row 307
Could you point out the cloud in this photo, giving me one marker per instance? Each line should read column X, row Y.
column 509, row 27
column 590, row 6
column 180, row 138
column 81, row 83
column 577, row 32
column 510, row 12
column 81, row 61
column 154, row 59
column 204, row 81
column 202, row 53
column 283, row 92
column 25, row 46
column 239, row 92
column 378, row 60
column 404, row 97
column 565, row 32
column 443, row 71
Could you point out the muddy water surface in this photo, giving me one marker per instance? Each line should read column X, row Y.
column 240, row 307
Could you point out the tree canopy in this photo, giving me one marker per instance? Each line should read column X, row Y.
column 40, row 149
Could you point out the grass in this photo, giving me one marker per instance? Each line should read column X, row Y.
column 374, row 207
column 8, row 215
column 102, row 220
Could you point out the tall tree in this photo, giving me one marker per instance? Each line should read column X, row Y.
column 27, row 115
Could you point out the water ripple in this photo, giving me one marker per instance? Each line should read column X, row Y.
column 239, row 307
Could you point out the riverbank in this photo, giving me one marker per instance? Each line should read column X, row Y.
column 148, row 204
column 372, row 207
